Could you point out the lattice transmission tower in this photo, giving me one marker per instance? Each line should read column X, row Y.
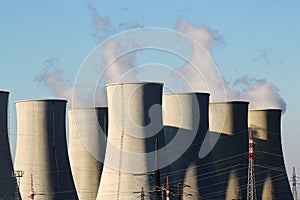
column 294, row 184
column 251, row 192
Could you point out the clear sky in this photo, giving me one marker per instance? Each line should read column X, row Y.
column 259, row 39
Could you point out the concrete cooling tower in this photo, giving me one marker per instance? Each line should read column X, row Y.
column 185, row 122
column 8, row 185
column 228, row 121
column 270, row 174
column 135, row 122
column 41, row 150
column 87, row 144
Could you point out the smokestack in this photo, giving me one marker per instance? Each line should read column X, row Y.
column 229, row 121
column 8, row 186
column 271, row 178
column 42, row 150
column 87, row 144
column 135, row 122
column 186, row 123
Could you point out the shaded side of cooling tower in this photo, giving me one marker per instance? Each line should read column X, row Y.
column 87, row 144
column 41, row 150
column 8, row 185
column 270, row 174
column 228, row 124
column 135, row 122
column 185, row 126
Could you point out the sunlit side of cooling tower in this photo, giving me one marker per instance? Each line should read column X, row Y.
column 87, row 144
column 8, row 186
column 135, row 119
column 185, row 122
column 229, row 120
column 270, row 174
column 41, row 150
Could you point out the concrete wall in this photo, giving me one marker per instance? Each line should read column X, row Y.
column 42, row 151
column 87, row 144
column 228, row 120
column 8, row 186
column 271, row 178
column 135, row 120
column 186, row 123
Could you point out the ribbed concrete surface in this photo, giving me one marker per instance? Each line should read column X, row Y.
column 87, row 144
column 271, row 177
column 186, row 120
column 229, row 120
column 8, row 187
column 42, row 151
column 135, row 119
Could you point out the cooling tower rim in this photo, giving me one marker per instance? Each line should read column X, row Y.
column 4, row 92
column 186, row 93
column 134, row 83
column 89, row 108
column 266, row 109
column 41, row 100
column 230, row 102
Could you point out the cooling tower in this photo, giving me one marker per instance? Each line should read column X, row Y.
column 41, row 150
column 185, row 122
column 135, row 122
column 87, row 144
column 8, row 186
column 228, row 121
column 270, row 174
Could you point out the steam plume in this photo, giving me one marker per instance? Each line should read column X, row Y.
column 62, row 88
column 201, row 70
column 117, row 68
column 260, row 93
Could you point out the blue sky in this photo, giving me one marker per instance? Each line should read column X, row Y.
column 259, row 39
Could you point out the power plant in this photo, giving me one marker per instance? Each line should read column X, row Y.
column 135, row 123
column 8, row 185
column 87, row 144
column 270, row 174
column 41, row 150
column 144, row 145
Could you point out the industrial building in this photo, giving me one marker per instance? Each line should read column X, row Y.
column 135, row 120
column 185, row 125
column 271, row 181
column 229, row 121
column 127, row 151
column 87, row 144
column 8, row 185
column 41, row 150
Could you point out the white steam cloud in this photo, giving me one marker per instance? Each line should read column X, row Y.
column 103, row 27
column 102, row 24
column 117, row 67
column 54, row 80
column 203, row 76
column 201, row 71
column 260, row 93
